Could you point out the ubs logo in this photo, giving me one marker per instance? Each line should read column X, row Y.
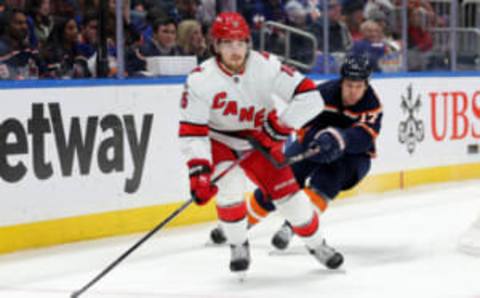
column 411, row 130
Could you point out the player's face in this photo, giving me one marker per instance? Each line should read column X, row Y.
column 232, row 53
column 352, row 91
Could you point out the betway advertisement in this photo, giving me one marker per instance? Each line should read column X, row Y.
column 74, row 151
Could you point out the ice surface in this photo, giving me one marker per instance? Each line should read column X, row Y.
column 400, row 244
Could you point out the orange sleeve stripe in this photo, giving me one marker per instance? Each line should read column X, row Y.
column 331, row 108
column 372, row 111
column 301, row 134
column 316, row 199
column 369, row 130
column 376, row 110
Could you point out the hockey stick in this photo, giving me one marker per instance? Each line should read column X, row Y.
column 112, row 265
column 288, row 160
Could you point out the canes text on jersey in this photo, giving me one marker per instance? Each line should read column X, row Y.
column 230, row 108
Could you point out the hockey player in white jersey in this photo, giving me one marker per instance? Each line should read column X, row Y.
column 229, row 98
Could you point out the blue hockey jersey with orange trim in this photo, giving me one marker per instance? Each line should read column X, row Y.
column 361, row 123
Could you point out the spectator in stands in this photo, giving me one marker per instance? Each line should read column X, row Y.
column 429, row 16
column 372, row 44
column 186, row 10
column 301, row 48
column 167, row 6
column 143, row 22
column 62, row 55
column 418, row 35
column 191, row 41
column 163, row 41
column 392, row 60
column 3, row 7
column 209, row 9
column 258, row 11
column 425, row 8
column 373, row 6
column 138, row 16
column 42, row 20
column 382, row 12
column 222, row 5
column 16, row 4
column 135, row 62
column 420, row 41
column 380, row 17
column 353, row 12
column 14, row 31
column 296, row 14
column 68, row 7
column 339, row 39
column 312, row 8
column 18, row 60
column 88, row 36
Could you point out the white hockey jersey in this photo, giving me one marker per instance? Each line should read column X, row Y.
column 216, row 103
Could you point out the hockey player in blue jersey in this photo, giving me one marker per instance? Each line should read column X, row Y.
column 344, row 132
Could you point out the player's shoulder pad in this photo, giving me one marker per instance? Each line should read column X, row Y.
column 202, row 74
column 265, row 59
column 371, row 99
column 329, row 86
column 331, row 91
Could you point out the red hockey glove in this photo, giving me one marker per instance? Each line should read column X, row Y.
column 273, row 133
column 201, row 187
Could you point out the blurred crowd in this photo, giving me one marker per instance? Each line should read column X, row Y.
column 59, row 38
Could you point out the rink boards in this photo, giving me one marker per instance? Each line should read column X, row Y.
column 89, row 160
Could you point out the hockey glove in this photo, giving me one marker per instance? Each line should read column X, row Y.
column 201, row 188
column 331, row 142
column 273, row 133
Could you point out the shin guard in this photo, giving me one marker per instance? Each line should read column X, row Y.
column 303, row 217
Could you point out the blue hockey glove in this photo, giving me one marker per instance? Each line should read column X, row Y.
column 331, row 142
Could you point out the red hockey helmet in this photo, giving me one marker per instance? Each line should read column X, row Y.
column 230, row 25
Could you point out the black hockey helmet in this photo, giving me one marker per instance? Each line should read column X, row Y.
column 357, row 68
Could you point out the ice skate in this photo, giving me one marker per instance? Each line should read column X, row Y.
column 327, row 256
column 281, row 239
column 217, row 236
column 240, row 259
